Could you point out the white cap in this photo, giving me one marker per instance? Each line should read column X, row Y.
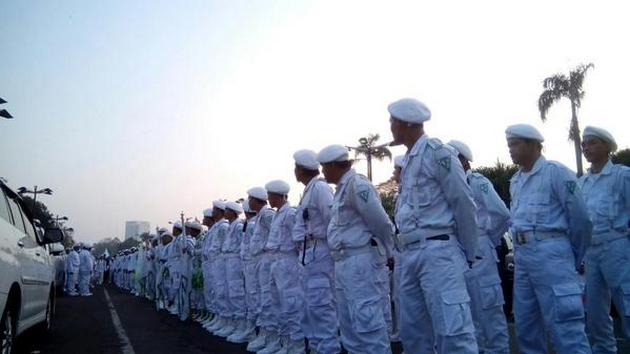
column 399, row 160
column 523, row 131
column 306, row 159
column 234, row 206
column 333, row 153
column 207, row 212
column 258, row 193
column 178, row 224
column 162, row 230
column 194, row 225
column 167, row 233
column 218, row 204
column 278, row 187
column 462, row 149
column 409, row 110
column 602, row 134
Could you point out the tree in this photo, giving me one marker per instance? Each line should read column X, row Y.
column 560, row 86
column 368, row 148
column 500, row 175
column 622, row 157
column 39, row 211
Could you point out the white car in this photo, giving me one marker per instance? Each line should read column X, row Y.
column 27, row 285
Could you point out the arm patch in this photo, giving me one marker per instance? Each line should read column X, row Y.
column 570, row 185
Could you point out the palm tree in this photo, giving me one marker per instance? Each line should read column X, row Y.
column 368, row 148
column 560, row 86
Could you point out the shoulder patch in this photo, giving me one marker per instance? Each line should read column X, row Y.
column 484, row 188
column 570, row 185
column 445, row 162
column 364, row 195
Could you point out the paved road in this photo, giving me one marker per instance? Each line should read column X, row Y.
column 132, row 326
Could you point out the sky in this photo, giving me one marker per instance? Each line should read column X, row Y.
column 137, row 110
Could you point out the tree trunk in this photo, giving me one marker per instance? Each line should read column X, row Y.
column 577, row 140
column 369, row 165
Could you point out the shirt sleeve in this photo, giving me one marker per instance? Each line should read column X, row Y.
column 497, row 211
column 569, row 195
column 368, row 205
column 452, row 179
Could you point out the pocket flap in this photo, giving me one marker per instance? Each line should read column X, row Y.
column 453, row 297
column 567, row 289
column 318, row 283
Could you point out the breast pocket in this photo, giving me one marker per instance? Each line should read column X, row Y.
column 538, row 207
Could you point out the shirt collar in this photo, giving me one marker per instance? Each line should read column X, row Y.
column 344, row 179
column 606, row 170
column 417, row 147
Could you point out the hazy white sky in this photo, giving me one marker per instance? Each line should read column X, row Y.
column 137, row 110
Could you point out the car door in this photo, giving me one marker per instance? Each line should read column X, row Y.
column 26, row 255
column 9, row 247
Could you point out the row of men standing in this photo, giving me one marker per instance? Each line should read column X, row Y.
column 79, row 265
column 321, row 269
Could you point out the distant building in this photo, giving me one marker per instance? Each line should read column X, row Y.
column 136, row 228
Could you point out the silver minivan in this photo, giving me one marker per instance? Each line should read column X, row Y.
column 27, row 285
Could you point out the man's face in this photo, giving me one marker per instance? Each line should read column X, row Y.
column 217, row 213
column 518, row 150
column 329, row 172
column 397, row 128
column 595, row 149
column 275, row 200
column 297, row 171
column 207, row 220
column 176, row 231
column 230, row 214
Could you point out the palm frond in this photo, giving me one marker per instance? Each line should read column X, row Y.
column 576, row 80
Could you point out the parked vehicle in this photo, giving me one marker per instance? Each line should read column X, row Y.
column 59, row 261
column 27, row 285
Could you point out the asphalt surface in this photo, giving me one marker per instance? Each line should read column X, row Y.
column 86, row 325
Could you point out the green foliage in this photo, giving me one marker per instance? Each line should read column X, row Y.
column 367, row 146
column 388, row 200
column 39, row 211
column 622, row 157
column 500, row 175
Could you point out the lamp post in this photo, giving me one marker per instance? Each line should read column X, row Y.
column 3, row 112
column 34, row 192
column 58, row 218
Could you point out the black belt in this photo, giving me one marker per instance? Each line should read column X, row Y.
column 439, row 237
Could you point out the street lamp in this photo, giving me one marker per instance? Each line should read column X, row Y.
column 34, row 192
column 3, row 112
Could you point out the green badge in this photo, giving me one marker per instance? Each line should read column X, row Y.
column 484, row 188
column 570, row 186
column 364, row 195
column 446, row 163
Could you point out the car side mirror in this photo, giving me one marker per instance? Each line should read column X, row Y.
column 53, row 235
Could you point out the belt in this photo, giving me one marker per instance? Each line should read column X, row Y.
column 529, row 236
column 343, row 253
column 612, row 235
column 422, row 236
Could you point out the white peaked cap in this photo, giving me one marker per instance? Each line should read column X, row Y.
column 278, row 186
column 602, row 134
column 307, row 159
column 207, row 212
column 235, row 207
column 258, row 193
column 178, row 224
column 218, row 204
column 462, row 149
column 333, row 153
column 523, row 131
column 409, row 110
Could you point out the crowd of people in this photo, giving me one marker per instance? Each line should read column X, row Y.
column 83, row 270
column 316, row 276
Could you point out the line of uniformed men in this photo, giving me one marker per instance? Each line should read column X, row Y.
column 320, row 270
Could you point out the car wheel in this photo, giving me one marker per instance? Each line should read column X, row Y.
column 7, row 331
column 47, row 325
